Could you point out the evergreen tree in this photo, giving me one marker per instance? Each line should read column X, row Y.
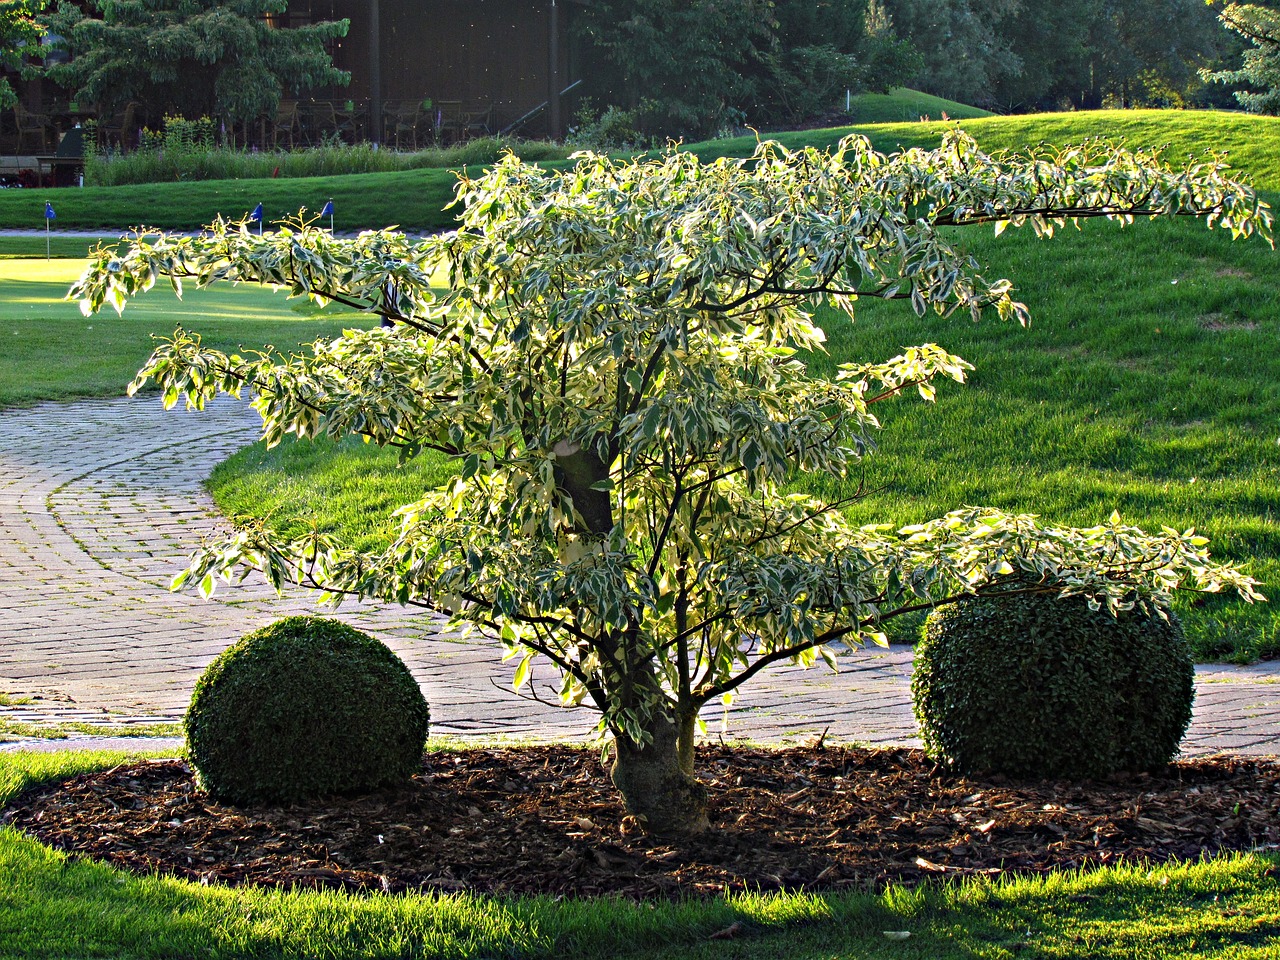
column 1260, row 67
column 217, row 58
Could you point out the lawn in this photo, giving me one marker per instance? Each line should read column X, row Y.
column 52, row 906
column 415, row 199
column 52, row 352
column 903, row 105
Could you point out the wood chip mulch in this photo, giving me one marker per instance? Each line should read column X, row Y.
column 546, row 820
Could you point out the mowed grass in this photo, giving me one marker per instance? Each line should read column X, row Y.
column 416, row 199
column 50, row 351
column 52, row 906
column 903, row 105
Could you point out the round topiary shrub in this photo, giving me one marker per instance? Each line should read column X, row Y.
column 302, row 708
column 1042, row 686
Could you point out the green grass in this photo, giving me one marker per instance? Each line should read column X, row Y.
column 50, row 351
column 11, row 730
column 60, row 247
column 55, row 907
column 1252, row 143
column 189, row 161
column 904, row 105
column 415, row 199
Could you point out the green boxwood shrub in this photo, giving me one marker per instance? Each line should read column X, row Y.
column 303, row 708
column 1042, row 686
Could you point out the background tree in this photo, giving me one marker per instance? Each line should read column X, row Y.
column 618, row 367
column 190, row 58
column 688, row 67
column 819, row 51
column 961, row 43
column 1260, row 66
column 681, row 66
column 1013, row 55
column 19, row 36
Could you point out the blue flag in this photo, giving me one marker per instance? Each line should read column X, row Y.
column 328, row 210
column 257, row 213
column 48, row 211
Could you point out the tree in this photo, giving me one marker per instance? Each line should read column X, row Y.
column 1260, row 67
column 616, row 368
column 191, row 58
column 686, row 67
column 1016, row 55
column 683, row 65
column 962, row 43
column 19, row 34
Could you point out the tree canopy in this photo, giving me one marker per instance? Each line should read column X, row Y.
column 618, row 368
column 690, row 67
column 190, row 58
column 19, row 35
column 1259, row 70
column 1016, row 55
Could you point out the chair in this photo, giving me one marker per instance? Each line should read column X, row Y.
column 350, row 120
column 449, row 120
column 287, row 124
column 32, row 126
column 120, row 130
column 321, row 121
column 402, row 119
column 477, row 120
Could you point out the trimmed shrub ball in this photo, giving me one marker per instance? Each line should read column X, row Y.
column 1041, row 686
column 303, row 708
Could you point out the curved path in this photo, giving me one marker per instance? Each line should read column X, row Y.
column 101, row 501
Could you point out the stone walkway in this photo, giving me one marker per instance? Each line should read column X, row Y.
column 100, row 503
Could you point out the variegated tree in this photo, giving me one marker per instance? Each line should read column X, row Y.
column 614, row 366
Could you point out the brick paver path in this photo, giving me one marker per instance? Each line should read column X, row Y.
column 101, row 501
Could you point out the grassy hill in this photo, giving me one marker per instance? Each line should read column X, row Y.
column 415, row 199
column 903, row 104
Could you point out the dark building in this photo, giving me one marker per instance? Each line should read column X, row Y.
column 421, row 71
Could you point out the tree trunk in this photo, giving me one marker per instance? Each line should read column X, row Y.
column 656, row 786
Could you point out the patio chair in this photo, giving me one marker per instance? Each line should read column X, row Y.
column 287, row 124
column 476, row 120
column 121, row 130
column 449, row 120
column 32, row 127
column 321, row 121
column 403, row 119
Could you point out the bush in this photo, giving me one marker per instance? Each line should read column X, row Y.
column 1042, row 686
column 303, row 708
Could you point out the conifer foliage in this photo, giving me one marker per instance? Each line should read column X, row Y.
column 227, row 59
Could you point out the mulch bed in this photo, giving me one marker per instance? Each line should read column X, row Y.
column 546, row 820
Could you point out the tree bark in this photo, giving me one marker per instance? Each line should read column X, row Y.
column 657, row 789
column 655, row 778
